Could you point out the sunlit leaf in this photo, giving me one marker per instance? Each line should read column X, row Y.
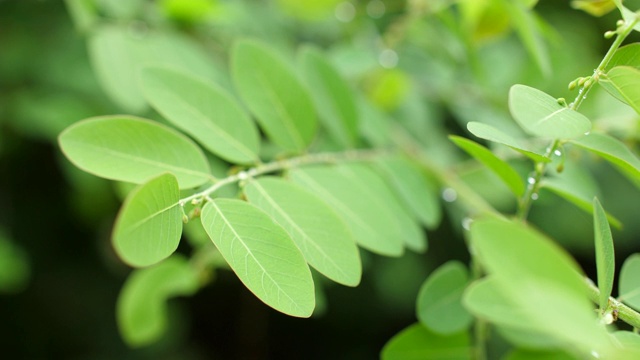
column 413, row 188
column 594, row 7
column 500, row 167
column 439, row 304
column 552, row 297
column 614, row 151
column 490, row 133
column 370, row 220
column 274, row 94
column 541, row 115
column 332, row 96
column 262, row 255
column 149, row 225
column 521, row 354
column 623, row 82
column 142, row 304
column 629, row 286
column 323, row 238
column 132, row 149
column 418, row 343
column 605, row 259
column 206, row 112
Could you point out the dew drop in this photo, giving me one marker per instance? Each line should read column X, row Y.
column 534, row 196
column 595, row 354
column 345, row 11
column 466, row 223
column 449, row 195
column 587, row 133
column 531, row 180
column 242, row 175
column 557, row 153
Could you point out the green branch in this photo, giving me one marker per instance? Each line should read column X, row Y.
column 624, row 312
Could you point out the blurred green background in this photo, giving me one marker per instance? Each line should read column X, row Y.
column 431, row 65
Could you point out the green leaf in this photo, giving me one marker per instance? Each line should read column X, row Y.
column 594, row 7
column 142, row 304
column 15, row 270
column 206, row 112
column 628, row 55
column 149, row 225
column 615, row 152
column 541, row 115
column 323, row 238
column 521, row 354
column 552, row 297
column 119, row 52
column 417, row 343
column 439, row 305
column 605, row 259
column 332, row 96
column 131, row 149
column 373, row 124
column 274, row 94
column 623, row 82
column 490, row 133
column 500, row 167
column 629, row 286
column 578, row 187
column 262, row 255
column 413, row 188
column 369, row 219
column 526, row 25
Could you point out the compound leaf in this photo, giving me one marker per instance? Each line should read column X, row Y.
column 131, row 149
column 629, row 287
column 332, row 96
column 605, row 260
column 490, row 133
column 323, row 238
column 413, row 188
column 439, row 305
column 371, row 222
column 274, row 95
column 262, row 255
column 500, row 167
column 615, row 152
column 149, row 225
column 142, row 309
column 417, row 343
column 541, row 115
column 204, row 111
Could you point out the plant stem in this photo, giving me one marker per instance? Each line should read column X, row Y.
column 625, row 313
column 534, row 180
column 319, row 158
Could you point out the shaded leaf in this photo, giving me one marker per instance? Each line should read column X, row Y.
column 623, row 82
column 417, row 343
column 551, row 297
column 332, row 96
column 131, row 149
column 370, row 220
column 541, row 115
column 206, row 112
column 439, row 305
column 629, row 286
column 605, row 259
column 614, row 151
column 15, row 270
column 262, row 255
column 142, row 309
column 490, row 133
column 274, row 95
column 373, row 124
column 149, row 225
column 500, row 167
column 413, row 188
column 323, row 238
